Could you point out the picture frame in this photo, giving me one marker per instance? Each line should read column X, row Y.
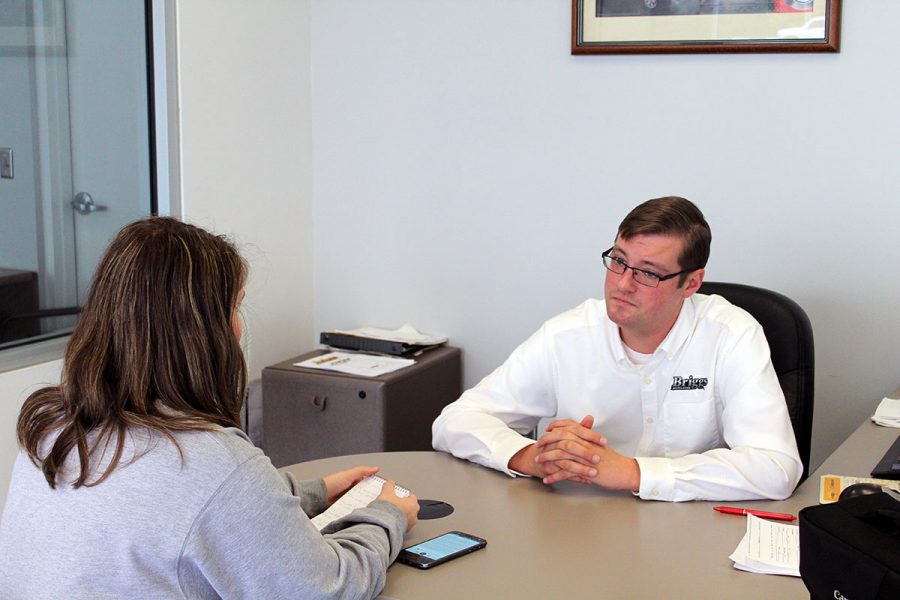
column 704, row 26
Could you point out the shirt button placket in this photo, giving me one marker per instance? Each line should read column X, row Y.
column 648, row 411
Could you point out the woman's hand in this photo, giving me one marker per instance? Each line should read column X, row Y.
column 409, row 505
column 338, row 483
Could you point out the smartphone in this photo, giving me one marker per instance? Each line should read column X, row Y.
column 440, row 549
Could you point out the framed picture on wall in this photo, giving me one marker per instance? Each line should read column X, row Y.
column 691, row 26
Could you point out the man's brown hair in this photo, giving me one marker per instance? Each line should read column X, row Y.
column 675, row 216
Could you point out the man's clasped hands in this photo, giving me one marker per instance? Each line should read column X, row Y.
column 571, row 450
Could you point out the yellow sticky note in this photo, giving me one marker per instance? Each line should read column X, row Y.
column 830, row 489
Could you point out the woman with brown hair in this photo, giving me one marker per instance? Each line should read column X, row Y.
column 134, row 478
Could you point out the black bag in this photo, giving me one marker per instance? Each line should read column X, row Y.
column 851, row 549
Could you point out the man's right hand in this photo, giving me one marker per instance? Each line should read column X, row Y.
column 581, row 455
column 523, row 462
column 409, row 505
column 571, row 450
column 568, row 450
column 561, row 451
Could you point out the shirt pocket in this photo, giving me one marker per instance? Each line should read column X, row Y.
column 690, row 427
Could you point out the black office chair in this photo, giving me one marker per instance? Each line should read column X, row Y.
column 790, row 338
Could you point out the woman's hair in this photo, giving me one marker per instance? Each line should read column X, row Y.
column 154, row 348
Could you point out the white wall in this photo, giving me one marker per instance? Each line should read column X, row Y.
column 245, row 155
column 468, row 172
column 15, row 386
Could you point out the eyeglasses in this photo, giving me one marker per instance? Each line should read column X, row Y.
column 648, row 278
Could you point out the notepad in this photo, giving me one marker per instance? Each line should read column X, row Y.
column 358, row 496
column 768, row 547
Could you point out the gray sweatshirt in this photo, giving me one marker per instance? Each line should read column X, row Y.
column 219, row 523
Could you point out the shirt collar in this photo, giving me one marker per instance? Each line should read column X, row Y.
column 681, row 330
column 617, row 346
column 675, row 339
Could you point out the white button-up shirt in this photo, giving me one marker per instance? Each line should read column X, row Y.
column 705, row 416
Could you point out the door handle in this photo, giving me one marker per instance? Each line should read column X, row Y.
column 84, row 204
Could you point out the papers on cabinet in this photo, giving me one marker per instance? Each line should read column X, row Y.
column 366, row 365
column 406, row 334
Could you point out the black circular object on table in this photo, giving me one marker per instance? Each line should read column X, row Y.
column 434, row 509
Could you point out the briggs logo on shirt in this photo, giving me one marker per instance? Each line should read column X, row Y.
column 691, row 383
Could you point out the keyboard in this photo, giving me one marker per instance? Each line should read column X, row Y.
column 889, row 465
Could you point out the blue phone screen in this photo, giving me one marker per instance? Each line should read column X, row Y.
column 442, row 546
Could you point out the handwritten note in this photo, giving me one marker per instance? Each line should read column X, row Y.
column 768, row 547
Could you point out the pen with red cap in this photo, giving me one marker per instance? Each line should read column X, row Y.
column 732, row 510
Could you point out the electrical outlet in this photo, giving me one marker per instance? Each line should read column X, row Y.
column 6, row 163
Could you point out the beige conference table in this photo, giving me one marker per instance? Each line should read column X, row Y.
column 569, row 540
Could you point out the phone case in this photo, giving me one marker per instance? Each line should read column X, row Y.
column 423, row 562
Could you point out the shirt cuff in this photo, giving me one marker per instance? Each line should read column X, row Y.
column 506, row 449
column 657, row 478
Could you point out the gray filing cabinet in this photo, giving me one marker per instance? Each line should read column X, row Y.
column 311, row 413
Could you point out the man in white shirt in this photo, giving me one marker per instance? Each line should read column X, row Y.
column 656, row 389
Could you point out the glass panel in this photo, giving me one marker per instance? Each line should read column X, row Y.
column 74, row 152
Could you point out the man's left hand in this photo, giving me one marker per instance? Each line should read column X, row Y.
column 573, row 451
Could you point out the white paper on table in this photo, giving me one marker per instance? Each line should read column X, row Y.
column 768, row 547
column 358, row 496
column 367, row 365
column 888, row 413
